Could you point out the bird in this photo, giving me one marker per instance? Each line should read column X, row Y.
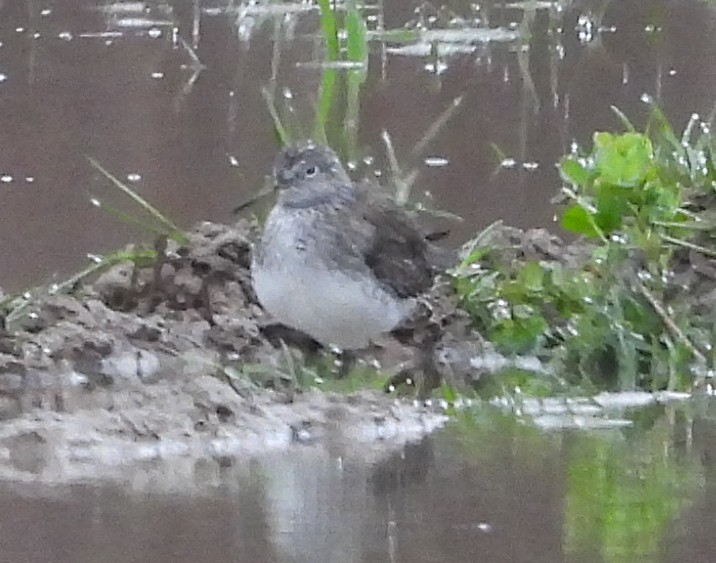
column 338, row 261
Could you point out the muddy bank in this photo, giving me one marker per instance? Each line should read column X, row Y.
column 149, row 363
column 170, row 361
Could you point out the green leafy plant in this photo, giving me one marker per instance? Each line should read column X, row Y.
column 622, row 185
column 608, row 312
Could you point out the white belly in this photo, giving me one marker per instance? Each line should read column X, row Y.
column 334, row 308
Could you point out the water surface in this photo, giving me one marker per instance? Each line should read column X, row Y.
column 487, row 488
column 167, row 96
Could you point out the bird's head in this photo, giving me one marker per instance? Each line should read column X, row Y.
column 306, row 174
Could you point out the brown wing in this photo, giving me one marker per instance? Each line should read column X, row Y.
column 397, row 253
column 374, row 234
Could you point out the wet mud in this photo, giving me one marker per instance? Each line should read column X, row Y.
column 147, row 363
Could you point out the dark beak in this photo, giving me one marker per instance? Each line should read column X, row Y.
column 283, row 177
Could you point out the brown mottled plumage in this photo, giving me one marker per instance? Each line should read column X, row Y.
column 339, row 261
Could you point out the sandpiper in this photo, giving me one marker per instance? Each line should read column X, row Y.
column 338, row 261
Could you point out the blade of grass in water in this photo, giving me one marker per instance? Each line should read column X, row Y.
column 402, row 189
column 281, row 132
column 659, row 126
column 357, row 51
column 154, row 212
column 267, row 190
column 394, row 35
column 127, row 218
column 355, row 79
column 325, row 103
column 329, row 29
column 357, row 34
column 623, row 118
column 292, row 123
column 437, row 126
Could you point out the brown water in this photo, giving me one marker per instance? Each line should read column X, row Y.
column 195, row 140
column 485, row 489
column 78, row 81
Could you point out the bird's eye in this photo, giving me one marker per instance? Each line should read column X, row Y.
column 311, row 172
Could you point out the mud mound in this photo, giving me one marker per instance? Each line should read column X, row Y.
column 141, row 365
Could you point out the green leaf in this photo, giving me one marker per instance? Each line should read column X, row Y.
column 474, row 256
column 611, row 205
column 574, row 173
column 578, row 220
column 532, row 277
column 448, row 393
column 624, row 160
column 519, row 335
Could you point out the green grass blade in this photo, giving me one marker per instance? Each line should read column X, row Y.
column 624, row 119
column 107, row 261
column 402, row 189
column 329, row 29
column 281, row 132
column 134, row 196
column 327, row 93
column 437, row 126
column 357, row 34
column 127, row 218
column 355, row 80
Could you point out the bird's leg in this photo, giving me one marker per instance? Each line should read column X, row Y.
column 160, row 247
column 429, row 375
column 422, row 370
column 154, row 289
column 346, row 362
column 206, row 309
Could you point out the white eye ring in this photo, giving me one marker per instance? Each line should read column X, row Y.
column 311, row 172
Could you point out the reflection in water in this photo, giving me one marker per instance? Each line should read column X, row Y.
column 171, row 96
column 489, row 487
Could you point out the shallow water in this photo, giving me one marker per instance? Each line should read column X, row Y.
column 488, row 487
column 179, row 116
column 168, row 98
